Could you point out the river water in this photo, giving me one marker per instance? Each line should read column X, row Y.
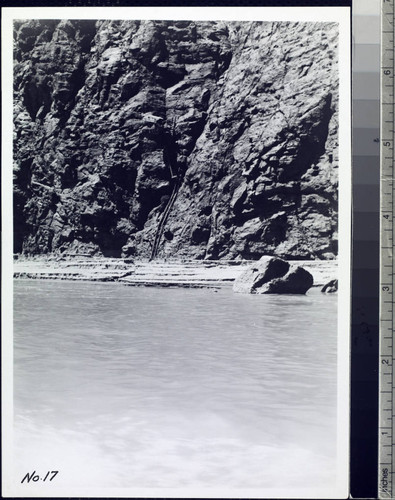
column 117, row 386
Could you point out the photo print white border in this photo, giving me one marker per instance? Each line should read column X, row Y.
column 340, row 15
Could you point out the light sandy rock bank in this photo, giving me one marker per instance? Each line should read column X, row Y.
column 157, row 273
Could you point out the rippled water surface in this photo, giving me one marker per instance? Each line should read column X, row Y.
column 171, row 388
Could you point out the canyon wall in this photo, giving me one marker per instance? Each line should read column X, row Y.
column 203, row 140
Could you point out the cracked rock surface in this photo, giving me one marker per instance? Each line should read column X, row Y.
column 223, row 134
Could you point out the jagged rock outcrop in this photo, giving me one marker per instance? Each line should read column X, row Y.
column 261, row 272
column 221, row 134
column 296, row 281
column 330, row 287
column 273, row 275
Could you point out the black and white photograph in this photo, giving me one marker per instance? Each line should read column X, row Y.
column 176, row 201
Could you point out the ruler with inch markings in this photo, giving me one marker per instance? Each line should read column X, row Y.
column 386, row 472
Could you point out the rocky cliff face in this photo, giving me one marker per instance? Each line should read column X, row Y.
column 207, row 140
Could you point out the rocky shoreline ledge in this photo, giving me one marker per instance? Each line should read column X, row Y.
column 163, row 273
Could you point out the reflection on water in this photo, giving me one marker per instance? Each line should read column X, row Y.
column 145, row 387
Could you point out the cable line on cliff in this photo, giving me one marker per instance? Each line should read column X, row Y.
column 176, row 174
column 163, row 220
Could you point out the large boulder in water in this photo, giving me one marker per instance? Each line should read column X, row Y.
column 296, row 281
column 273, row 275
column 260, row 273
